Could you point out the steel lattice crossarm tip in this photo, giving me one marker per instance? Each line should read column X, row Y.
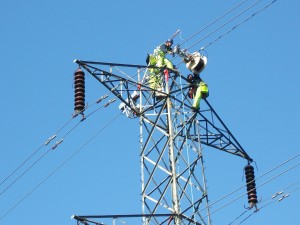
column 213, row 131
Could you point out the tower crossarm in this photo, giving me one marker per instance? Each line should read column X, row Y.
column 214, row 132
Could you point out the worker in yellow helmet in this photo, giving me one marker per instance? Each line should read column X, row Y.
column 197, row 91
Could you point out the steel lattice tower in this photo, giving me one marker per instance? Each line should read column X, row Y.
column 171, row 138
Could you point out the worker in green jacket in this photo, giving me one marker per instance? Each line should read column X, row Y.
column 160, row 54
column 197, row 91
column 158, row 59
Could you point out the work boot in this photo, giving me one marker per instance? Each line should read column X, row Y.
column 159, row 95
column 195, row 109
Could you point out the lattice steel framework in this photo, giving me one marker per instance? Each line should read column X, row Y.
column 171, row 138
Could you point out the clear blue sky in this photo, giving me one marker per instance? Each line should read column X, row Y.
column 253, row 74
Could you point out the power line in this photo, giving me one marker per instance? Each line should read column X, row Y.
column 236, row 190
column 44, row 144
column 276, row 167
column 213, row 22
column 280, row 195
column 270, row 204
column 47, row 142
column 59, row 167
column 280, row 174
column 237, row 25
column 239, row 217
column 271, row 197
column 224, row 24
column 22, row 174
column 51, row 148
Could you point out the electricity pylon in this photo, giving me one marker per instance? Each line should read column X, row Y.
column 173, row 178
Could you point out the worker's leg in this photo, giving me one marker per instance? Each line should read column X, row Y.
column 157, row 76
column 162, row 62
column 202, row 89
column 168, row 63
column 159, row 61
column 154, row 78
column 197, row 98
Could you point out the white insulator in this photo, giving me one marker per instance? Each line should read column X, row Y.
column 197, row 63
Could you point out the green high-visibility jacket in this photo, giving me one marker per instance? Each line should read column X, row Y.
column 158, row 59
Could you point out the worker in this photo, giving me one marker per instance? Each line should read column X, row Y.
column 160, row 54
column 197, row 91
column 158, row 59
